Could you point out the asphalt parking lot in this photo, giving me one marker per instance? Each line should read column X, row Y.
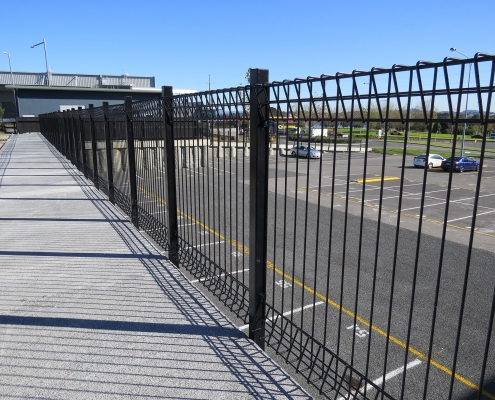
column 420, row 194
column 365, row 190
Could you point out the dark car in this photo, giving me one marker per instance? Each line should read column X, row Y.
column 461, row 164
column 477, row 136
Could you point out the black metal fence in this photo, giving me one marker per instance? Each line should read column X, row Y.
column 369, row 277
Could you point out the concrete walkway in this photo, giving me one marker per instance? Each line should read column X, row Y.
column 89, row 309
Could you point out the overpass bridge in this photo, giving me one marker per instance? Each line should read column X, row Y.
column 91, row 309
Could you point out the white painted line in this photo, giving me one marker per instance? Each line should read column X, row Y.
column 184, row 225
column 204, row 244
column 443, row 202
column 243, row 327
column 218, row 276
column 379, row 381
column 214, row 168
column 394, row 373
column 470, row 216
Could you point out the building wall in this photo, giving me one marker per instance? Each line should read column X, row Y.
column 7, row 103
column 36, row 101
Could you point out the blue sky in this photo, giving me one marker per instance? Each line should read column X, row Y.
column 183, row 42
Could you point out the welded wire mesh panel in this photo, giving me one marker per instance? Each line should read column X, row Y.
column 212, row 159
column 118, row 137
column 75, row 127
column 372, row 261
column 101, row 155
column 86, row 145
column 150, row 169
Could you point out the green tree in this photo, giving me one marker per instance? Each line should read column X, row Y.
column 248, row 75
column 436, row 128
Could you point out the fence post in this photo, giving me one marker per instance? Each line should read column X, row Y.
column 131, row 161
column 168, row 133
column 72, row 130
column 96, row 181
column 60, row 122
column 65, row 133
column 68, row 127
column 108, row 145
column 81, row 139
column 258, row 198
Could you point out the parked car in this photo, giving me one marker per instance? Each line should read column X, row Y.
column 434, row 160
column 461, row 164
column 492, row 135
column 477, row 136
column 305, row 151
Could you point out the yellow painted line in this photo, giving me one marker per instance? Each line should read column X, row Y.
column 234, row 243
column 381, row 332
column 393, row 339
column 378, row 179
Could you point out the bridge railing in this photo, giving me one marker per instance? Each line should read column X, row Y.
column 329, row 266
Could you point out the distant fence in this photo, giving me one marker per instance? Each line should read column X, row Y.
column 310, row 254
column 27, row 124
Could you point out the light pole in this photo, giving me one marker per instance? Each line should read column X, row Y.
column 467, row 97
column 11, row 78
column 46, row 60
column 10, row 65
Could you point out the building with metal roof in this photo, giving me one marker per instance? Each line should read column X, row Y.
column 29, row 94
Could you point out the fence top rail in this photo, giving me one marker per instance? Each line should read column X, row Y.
column 414, row 92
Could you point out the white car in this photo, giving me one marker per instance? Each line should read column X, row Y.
column 434, row 160
column 305, row 151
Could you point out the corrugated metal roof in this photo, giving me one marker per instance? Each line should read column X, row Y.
column 82, row 89
column 75, row 80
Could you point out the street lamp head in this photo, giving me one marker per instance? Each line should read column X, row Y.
column 453, row 49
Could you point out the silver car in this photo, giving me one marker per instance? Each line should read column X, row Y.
column 305, row 151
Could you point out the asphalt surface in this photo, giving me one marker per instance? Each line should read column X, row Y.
column 90, row 309
column 406, row 291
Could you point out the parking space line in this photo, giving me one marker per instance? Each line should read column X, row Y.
column 394, row 373
column 368, row 203
column 204, row 244
column 218, row 276
column 470, row 216
column 379, row 381
column 442, row 203
column 244, row 327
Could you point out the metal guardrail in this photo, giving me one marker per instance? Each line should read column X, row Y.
column 327, row 275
